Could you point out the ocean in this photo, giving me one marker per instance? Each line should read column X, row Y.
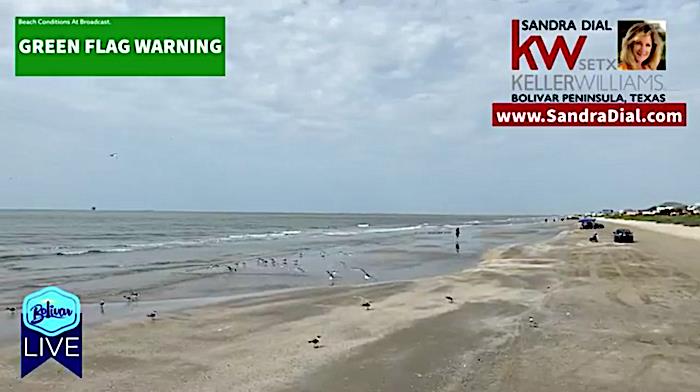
column 103, row 255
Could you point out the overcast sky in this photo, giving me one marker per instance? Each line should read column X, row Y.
column 343, row 106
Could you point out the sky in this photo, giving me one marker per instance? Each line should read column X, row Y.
column 338, row 106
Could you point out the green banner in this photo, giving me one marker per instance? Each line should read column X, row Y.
column 120, row 46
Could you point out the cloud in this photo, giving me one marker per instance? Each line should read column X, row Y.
column 389, row 89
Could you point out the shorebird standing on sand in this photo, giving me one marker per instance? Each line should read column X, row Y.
column 11, row 309
column 152, row 315
column 449, row 298
column 532, row 322
column 367, row 305
column 316, row 341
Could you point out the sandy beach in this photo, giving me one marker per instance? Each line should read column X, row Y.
column 606, row 317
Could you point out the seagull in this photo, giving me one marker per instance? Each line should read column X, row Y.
column 113, row 155
column 127, row 298
column 316, row 341
column 532, row 321
column 152, row 315
column 229, row 268
column 299, row 269
column 449, row 298
column 367, row 305
column 323, row 253
column 367, row 275
column 331, row 276
column 11, row 309
column 135, row 295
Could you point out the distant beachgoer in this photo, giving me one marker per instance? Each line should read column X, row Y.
column 457, row 232
column 594, row 238
column 457, row 247
column 546, row 220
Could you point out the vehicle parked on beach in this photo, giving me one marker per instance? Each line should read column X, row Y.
column 623, row 235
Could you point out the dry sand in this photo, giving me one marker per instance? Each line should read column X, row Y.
column 666, row 228
column 609, row 317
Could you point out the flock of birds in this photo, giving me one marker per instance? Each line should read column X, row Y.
column 295, row 265
column 332, row 274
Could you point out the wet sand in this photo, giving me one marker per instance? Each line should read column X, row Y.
column 608, row 317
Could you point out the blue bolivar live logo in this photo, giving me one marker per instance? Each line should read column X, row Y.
column 51, row 328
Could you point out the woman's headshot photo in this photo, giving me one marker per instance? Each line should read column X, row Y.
column 641, row 45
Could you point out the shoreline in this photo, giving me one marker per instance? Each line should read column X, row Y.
column 604, row 316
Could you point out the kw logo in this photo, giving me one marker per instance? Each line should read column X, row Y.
column 519, row 50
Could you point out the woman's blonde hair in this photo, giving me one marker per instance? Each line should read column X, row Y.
column 657, row 46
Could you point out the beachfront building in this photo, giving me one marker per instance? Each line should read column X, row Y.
column 630, row 212
column 671, row 208
column 694, row 209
